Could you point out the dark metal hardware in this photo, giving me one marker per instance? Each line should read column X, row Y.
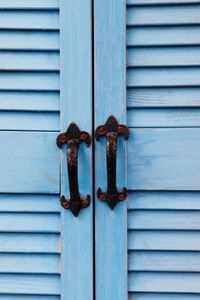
column 111, row 130
column 72, row 138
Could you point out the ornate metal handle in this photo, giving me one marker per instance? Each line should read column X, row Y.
column 72, row 138
column 111, row 130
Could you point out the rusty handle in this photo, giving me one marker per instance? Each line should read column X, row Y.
column 111, row 130
column 72, row 138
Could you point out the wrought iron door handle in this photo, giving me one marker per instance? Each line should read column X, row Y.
column 72, row 138
column 111, row 130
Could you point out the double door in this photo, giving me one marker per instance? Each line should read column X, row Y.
column 80, row 62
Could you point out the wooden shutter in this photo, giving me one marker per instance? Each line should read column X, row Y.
column 163, row 97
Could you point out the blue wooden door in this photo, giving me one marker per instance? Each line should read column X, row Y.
column 149, row 249
column 45, row 71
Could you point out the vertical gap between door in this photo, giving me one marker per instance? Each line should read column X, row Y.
column 93, row 150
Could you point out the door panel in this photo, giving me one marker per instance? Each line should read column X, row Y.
column 163, row 150
column 45, row 253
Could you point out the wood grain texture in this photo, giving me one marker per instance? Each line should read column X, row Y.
column 163, row 36
column 26, row 19
column 29, row 4
column 163, row 97
column 164, row 200
column 29, row 284
column 29, row 162
column 29, row 263
column 111, row 226
column 164, row 282
column 29, row 242
column 76, row 106
column 29, row 61
column 149, row 77
column 169, row 15
column 164, row 261
column 160, row 2
column 164, row 240
column 162, row 296
column 164, row 159
column 29, row 40
column 30, row 101
column 163, row 117
column 163, row 56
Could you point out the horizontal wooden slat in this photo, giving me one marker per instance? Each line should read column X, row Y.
column 164, row 282
column 169, row 15
column 163, row 97
column 29, row 101
column 165, row 220
column 23, row 60
column 29, row 121
column 29, row 162
column 160, row 2
column 29, row 263
column 163, row 56
column 30, row 284
column 29, row 4
column 29, row 40
column 164, row 240
column 28, row 19
column 28, row 297
column 164, row 159
column 161, row 296
column 164, row 200
column 159, row 36
column 48, row 81
column 164, row 261
column 163, row 117
column 29, row 243
column 42, row 121
column 189, row 76
column 29, row 203
column 30, row 222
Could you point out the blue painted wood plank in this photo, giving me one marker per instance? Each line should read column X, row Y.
column 30, row 101
column 29, row 263
column 170, row 15
column 147, row 77
column 29, row 242
column 11, row 19
column 76, row 106
column 33, row 167
column 164, row 159
column 28, row 297
column 160, row 36
column 164, row 220
column 164, row 240
column 163, row 117
column 29, row 203
column 163, row 56
column 110, row 99
column 164, row 200
column 29, row 60
column 30, row 222
column 29, row 4
column 29, row 284
column 47, row 81
column 164, row 282
column 29, row 40
column 164, row 261
column 163, row 97
column 163, row 296
column 160, row 2
column 43, row 121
